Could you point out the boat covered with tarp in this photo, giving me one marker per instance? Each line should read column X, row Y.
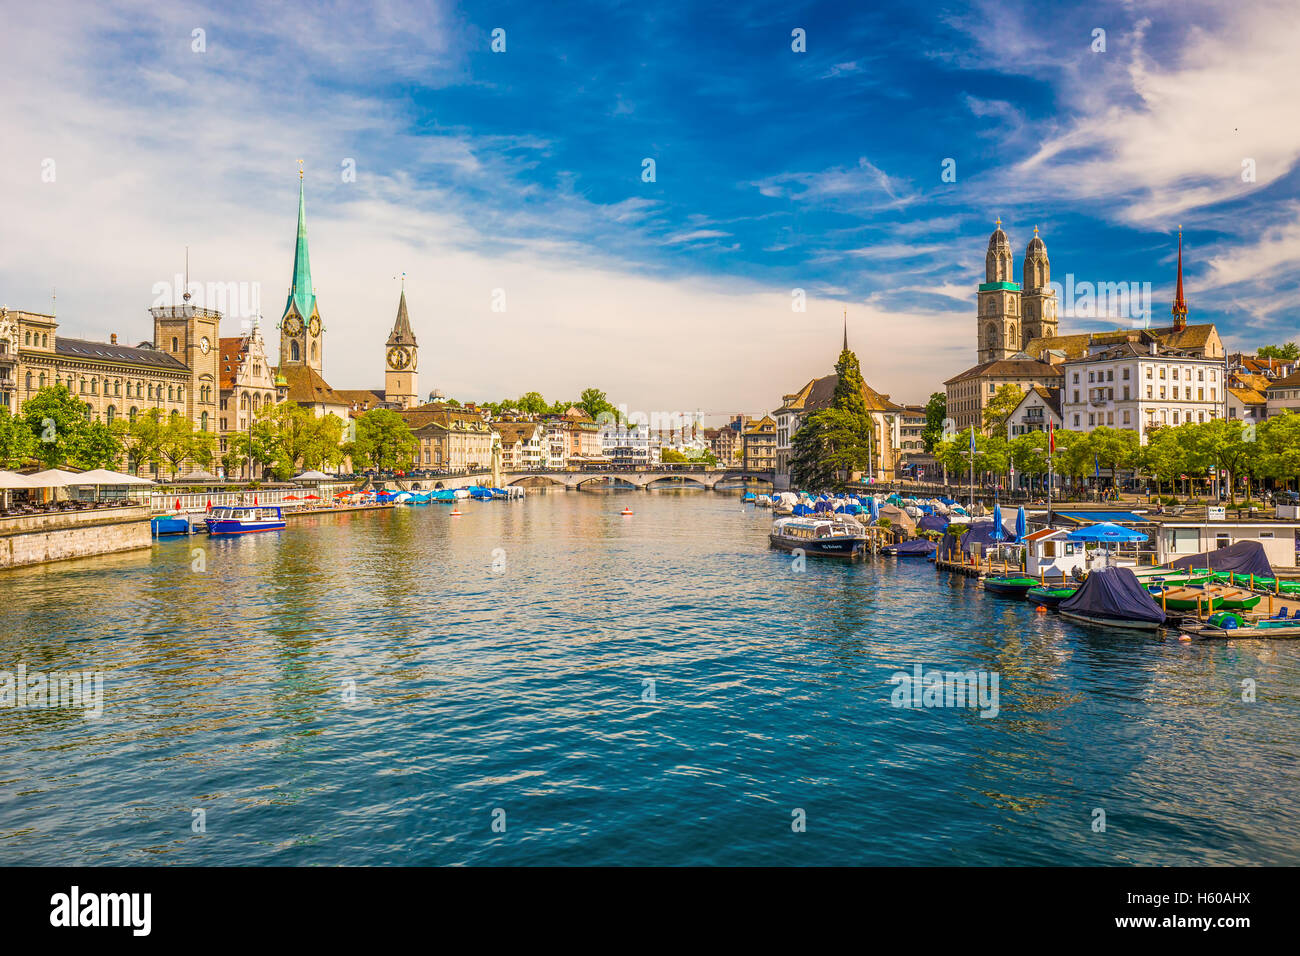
column 1241, row 559
column 1113, row 597
column 916, row 548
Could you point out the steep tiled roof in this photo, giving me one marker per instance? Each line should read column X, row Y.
column 1291, row 381
column 1076, row 346
column 361, row 398
column 1051, row 397
column 820, row 393
column 1248, row 396
column 306, row 387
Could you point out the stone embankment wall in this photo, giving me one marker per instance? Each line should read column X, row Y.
column 37, row 539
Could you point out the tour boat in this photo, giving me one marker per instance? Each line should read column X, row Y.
column 237, row 519
column 830, row 536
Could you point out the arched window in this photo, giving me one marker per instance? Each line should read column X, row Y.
column 294, row 354
column 175, row 415
column 151, row 391
column 29, row 381
column 176, row 344
column 180, row 394
column 990, row 308
column 94, row 386
column 132, row 413
column 110, row 414
column 314, row 352
column 117, row 389
column 203, row 422
column 29, row 337
column 40, row 382
column 243, row 402
column 44, row 343
column 171, row 394
column 991, row 336
column 83, row 386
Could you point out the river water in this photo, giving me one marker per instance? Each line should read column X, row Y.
column 548, row 681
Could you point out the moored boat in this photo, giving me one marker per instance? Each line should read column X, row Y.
column 916, row 548
column 1012, row 586
column 829, row 536
column 162, row 525
column 1049, row 595
column 1186, row 598
column 238, row 519
column 1113, row 598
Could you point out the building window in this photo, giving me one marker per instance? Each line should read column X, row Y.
column 203, row 422
column 295, row 354
column 29, row 381
column 110, row 414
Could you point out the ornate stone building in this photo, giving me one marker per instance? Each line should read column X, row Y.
column 247, row 384
column 176, row 372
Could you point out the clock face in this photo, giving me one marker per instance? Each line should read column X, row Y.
column 398, row 357
column 204, row 345
column 315, row 326
column 293, row 325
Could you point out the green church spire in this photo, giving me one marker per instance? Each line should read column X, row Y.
column 301, row 295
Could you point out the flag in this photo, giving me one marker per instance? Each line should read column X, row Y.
column 209, row 504
column 972, row 439
column 1051, row 438
column 178, row 504
column 1096, row 467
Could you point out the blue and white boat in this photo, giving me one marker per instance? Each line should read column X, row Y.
column 239, row 519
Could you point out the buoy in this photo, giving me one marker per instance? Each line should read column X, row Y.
column 1184, row 637
column 627, row 512
column 455, row 513
column 1039, row 609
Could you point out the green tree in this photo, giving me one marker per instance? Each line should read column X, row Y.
column 594, row 402
column 670, row 456
column 97, row 447
column 296, row 437
column 141, row 438
column 1165, row 456
column 936, row 410
column 1000, row 407
column 1029, row 453
column 383, row 441
column 532, row 403
column 17, row 443
column 1288, row 352
column 176, row 441
column 59, row 421
column 834, row 442
column 1279, row 440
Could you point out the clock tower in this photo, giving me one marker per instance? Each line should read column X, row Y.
column 400, row 361
column 302, row 340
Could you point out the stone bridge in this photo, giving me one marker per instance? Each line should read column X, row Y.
column 642, row 478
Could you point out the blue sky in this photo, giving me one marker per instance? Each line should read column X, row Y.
column 775, row 170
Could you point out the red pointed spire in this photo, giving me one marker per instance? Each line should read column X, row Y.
column 1180, row 304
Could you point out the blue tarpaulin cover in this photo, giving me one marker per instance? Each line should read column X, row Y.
column 915, row 546
column 933, row 523
column 1114, row 592
column 1244, row 557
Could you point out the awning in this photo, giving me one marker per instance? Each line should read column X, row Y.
column 1094, row 517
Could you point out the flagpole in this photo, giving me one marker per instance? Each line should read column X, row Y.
column 972, row 469
column 1051, row 447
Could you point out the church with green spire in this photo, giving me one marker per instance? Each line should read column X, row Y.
column 301, row 333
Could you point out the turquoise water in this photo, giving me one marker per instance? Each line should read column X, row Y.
column 520, row 694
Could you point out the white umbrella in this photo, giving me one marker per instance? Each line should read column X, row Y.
column 102, row 476
column 11, row 479
column 52, row 478
column 312, row 476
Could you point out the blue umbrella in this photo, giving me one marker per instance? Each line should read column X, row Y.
column 1105, row 532
column 1020, row 524
column 998, row 531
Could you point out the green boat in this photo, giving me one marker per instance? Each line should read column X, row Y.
column 1047, row 595
column 1014, row 586
column 1185, row 599
column 1263, row 583
column 1238, row 599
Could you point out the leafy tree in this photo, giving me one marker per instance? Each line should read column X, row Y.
column 1029, row 453
column 1165, row 456
column 1113, row 448
column 670, row 456
column 232, row 462
column 59, row 421
column 295, row 438
column 141, row 438
column 936, row 410
column 594, row 402
column 383, row 441
column 97, row 447
column 834, row 442
column 1286, row 353
column 203, row 449
column 17, row 443
column 1279, row 440
column 532, row 403
column 1000, row 407
column 176, row 441
column 1227, row 446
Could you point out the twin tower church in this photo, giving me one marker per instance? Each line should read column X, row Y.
column 302, row 346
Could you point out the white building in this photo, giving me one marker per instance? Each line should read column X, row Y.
column 629, row 444
column 1040, row 406
column 1141, row 385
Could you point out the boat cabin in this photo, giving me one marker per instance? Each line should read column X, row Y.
column 1050, row 553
